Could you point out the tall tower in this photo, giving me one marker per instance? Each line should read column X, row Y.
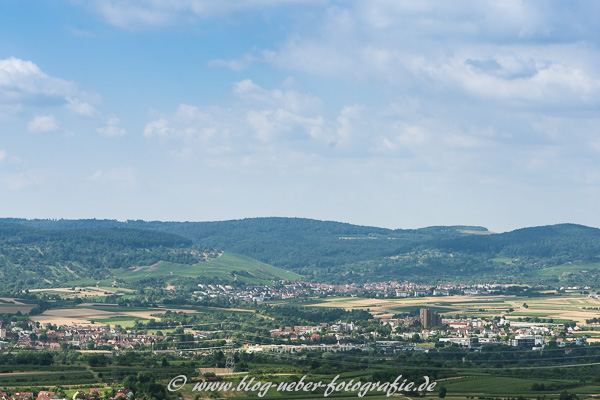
column 429, row 318
column 425, row 315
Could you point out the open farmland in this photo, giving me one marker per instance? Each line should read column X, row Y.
column 82, row 291
column 560, row 307
column 87, row 314
column 12, row 306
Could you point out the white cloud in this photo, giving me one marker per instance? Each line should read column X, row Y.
column 81, row 108
column 259, row 117
column 516, row 51
column 2, row 155
column 538, row 83
column 112, row 128
column 159, row 128
column 24, row 82
column 43, row 123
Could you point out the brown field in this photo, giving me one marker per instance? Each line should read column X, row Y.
column 72, row 316
column 14, row 308
column 84, row 313
column 82, row 291
column 9, row 299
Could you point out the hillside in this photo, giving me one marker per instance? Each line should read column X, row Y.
column 299, row 244
column 338, row 252
column 31, row 257
column 227, row 267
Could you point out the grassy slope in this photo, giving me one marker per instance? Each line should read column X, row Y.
column 226, row 267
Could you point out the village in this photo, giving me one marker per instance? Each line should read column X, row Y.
column 89, row 394
column 385, row 289
column 412, row 332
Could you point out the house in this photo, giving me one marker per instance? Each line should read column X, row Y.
column 47, row 396
column 22, row 395
column 123, row 394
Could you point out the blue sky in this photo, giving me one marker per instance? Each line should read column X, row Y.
column 399, row 114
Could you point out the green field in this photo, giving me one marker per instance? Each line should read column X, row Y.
column 566, row 269
column 507, row 386
column 124, row 320
column 229, row 266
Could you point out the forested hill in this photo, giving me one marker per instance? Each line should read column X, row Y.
column 339, row 252
column 30, row 256
column 292, row 243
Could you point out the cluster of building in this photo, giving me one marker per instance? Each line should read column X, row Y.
column 314, row 332
column 258, row 293
column 428, row 325
column 91, row 394
column 80, row 336
column 474, row 332
column 288, row 290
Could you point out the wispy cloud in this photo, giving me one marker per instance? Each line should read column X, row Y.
column 123, row 176
column 43, row 123
column 140, row 13
column 81, row 108
column 112, row 128
column 16, row 181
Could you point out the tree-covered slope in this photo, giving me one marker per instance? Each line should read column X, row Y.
column 44, row 253
column 558, row 254
column 30, row 256
column 339, row 252
column 303, row 245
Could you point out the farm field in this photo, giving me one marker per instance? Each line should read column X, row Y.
column 83, row 291
column 87, row 314
column 507, row 387
column 560, row 307
column 10, row 305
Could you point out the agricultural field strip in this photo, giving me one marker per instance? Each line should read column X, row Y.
column 82, row 291
column 560, row 307
column 83, row 316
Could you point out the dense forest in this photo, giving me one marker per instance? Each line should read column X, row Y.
column 339, row 252
column 30, row 257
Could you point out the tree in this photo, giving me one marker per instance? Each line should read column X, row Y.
column 443, row 392
column 564, row 395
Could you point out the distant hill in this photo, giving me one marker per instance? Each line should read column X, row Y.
column 32, row 257
column 338, row 252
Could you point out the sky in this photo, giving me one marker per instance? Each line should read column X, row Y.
column 389, row 113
